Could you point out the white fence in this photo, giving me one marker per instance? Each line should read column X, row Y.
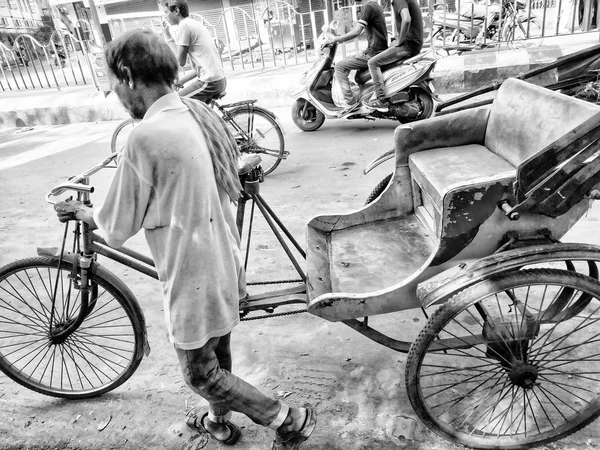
column 276, row 35
column 64, row 60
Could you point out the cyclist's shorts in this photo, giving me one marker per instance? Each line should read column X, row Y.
column 203, row 90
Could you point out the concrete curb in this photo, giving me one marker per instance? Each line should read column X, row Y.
column 273, row 87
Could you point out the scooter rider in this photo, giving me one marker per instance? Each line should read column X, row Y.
column 409, row 42
column 373, row 22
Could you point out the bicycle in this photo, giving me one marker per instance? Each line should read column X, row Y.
column 255, row 129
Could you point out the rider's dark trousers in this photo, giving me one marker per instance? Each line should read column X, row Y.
column 204, row 91
column 389, row 56
column 342, row 70
column 207, row 371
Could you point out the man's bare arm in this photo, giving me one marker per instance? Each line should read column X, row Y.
column 404, row 27
column 352, row 34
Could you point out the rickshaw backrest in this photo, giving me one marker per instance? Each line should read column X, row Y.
column 517, row 129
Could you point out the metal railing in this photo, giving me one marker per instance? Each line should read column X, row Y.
column 64, row 60
column 278, row 35
column 521, row 22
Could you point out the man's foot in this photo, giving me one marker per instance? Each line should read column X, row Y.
column 377, row 104
column 296, row 430
column 226, row 433
column 349, row 108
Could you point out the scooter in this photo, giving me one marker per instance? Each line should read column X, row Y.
column 408, row 89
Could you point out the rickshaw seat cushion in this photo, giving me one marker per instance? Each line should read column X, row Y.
column 525, row 118
column 467, row 162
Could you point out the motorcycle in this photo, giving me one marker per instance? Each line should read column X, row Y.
column 454, row 32
column 408, row 89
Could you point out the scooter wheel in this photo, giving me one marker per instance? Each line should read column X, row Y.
column 306, row 116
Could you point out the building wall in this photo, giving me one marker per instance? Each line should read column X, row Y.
column 19, row 16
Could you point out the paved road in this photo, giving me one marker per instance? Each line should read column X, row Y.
column 356, row 385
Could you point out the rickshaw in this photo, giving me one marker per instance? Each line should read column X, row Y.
column 468, row 230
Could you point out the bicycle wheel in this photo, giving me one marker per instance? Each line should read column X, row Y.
column 525, row 34
column 101, row 354
column 120, row 135
column 256, row 131
column 491, row 369
column 378, row 190
column 445, row 40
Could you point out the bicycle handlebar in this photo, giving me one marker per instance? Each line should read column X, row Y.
column 68, row 187
column 76, row 183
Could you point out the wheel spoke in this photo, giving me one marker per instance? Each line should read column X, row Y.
column 55, row 359
column 528, row 324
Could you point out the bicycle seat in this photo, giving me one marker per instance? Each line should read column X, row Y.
column 246, row 163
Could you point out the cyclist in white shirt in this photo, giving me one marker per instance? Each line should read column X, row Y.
column 193, row 40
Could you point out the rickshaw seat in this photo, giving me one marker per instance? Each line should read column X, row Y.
column 468, row 163
column 458, row 168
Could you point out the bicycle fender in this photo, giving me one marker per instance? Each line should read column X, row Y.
column 96, row 268
column 390, row 154
column 444, row 285
column 275, row 118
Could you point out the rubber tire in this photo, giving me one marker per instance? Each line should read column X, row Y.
column 303, row 124
column 508, row 34
column 257, row 110
column 381, row 186
column 115, row 135
column 108, row 281
column 428, row 108
column 460, row 302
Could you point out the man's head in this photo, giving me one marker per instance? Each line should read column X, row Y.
column 140, row 63
column 174, row 10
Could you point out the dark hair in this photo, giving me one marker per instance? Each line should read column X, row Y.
column 147, row 56
column 184, row 9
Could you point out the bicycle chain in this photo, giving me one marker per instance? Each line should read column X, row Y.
column 267, row 316
column 258, row 283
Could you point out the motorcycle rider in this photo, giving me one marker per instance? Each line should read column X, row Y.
column 477, row 9
column 372, row 22
column 409, row 42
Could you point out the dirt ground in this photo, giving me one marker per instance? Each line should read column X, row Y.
column 356, row 385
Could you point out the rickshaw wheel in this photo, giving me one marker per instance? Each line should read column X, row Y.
column 492, row 369
column 378, row 190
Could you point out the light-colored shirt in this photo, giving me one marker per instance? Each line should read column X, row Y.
column 201, row 49
column 165, row 184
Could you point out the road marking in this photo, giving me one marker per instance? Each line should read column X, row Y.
column 50, row 148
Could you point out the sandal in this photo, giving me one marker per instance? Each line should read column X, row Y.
column 293, row 440
column 197, row 424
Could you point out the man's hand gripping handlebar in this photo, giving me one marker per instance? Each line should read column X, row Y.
column 76, row 209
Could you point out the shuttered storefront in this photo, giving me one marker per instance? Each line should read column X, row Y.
column 210, row 10
column 245, row 17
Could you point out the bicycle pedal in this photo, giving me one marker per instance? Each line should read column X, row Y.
column 285, row 154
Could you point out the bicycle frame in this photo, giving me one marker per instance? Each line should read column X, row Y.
column 87, row 245
column 247, row 140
